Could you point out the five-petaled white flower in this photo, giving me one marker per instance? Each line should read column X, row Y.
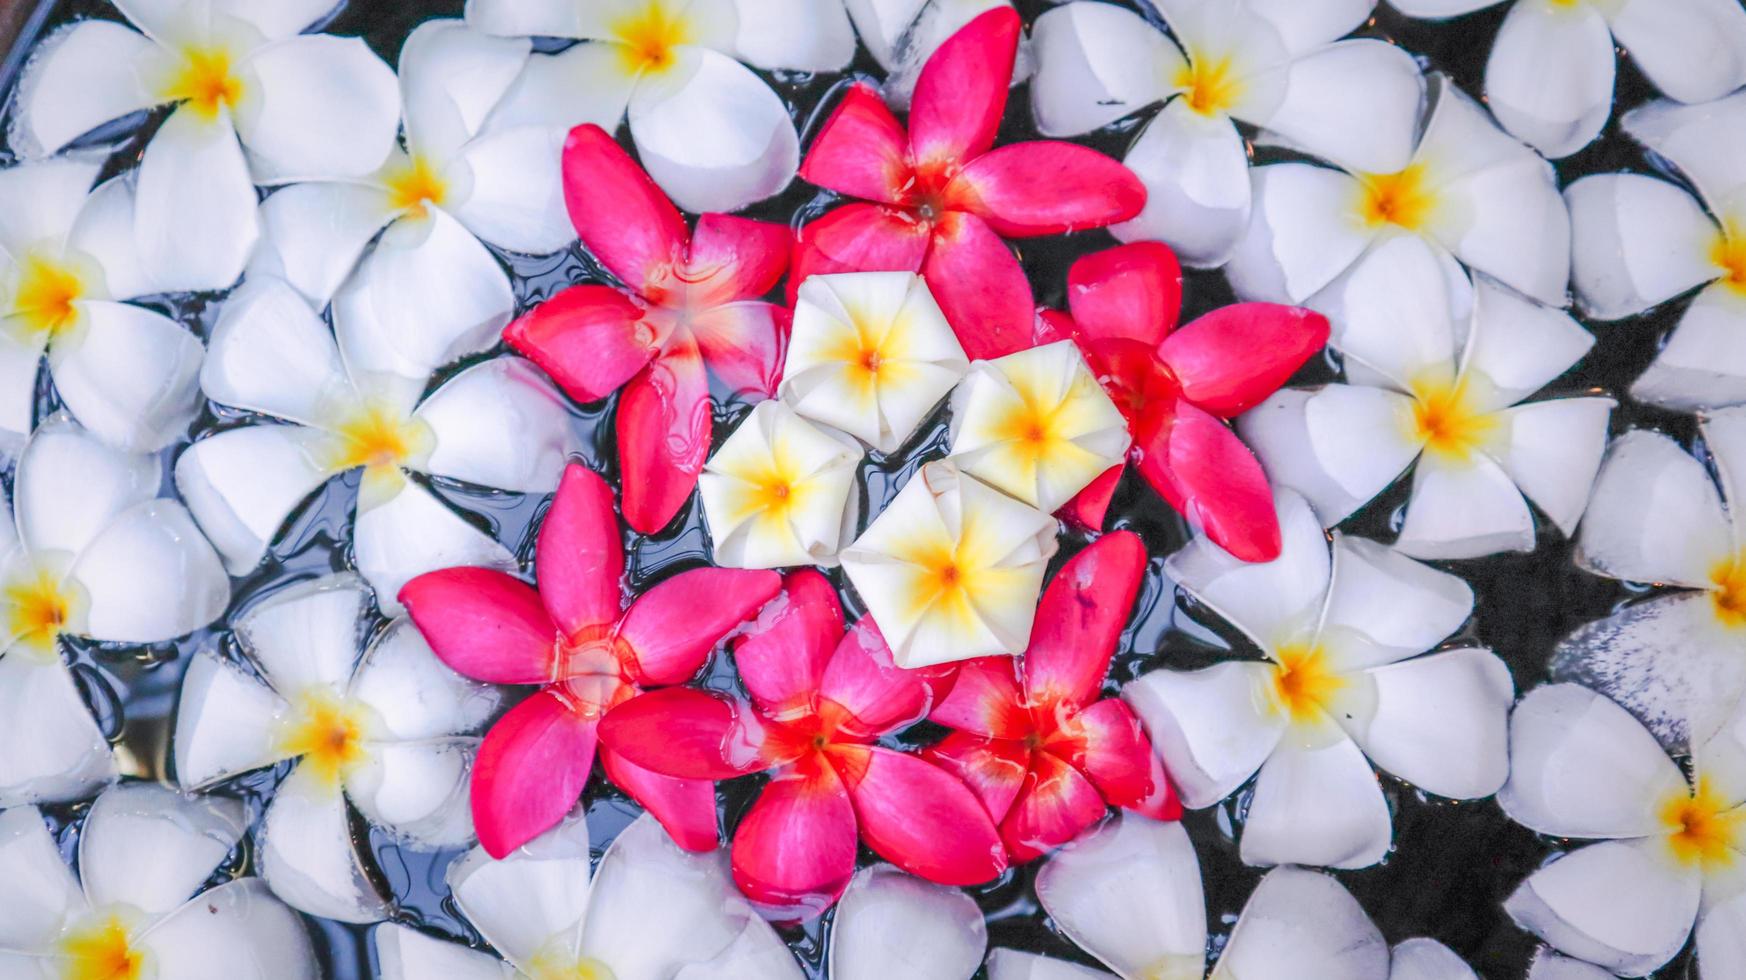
column 780, row 491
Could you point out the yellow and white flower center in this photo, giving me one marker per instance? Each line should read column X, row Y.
column 1404, row 199
column 328, row 732
column 102, row 947
column 45, row 297
column 415, row 185
column 205, row 79
column 1304, row 683
column 557, row 960
column 1209, row 82
column 1729, row 594
column 1450, row 420
column 39, row 603
column 650, row 34
column 1728, row 252
column 1704, row 830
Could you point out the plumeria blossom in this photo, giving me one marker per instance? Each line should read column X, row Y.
column 902, row 35
column 1036, row 424
column 820, row 698
column 650, row 911
column 389, row 731
column 1672, row 846
column 1641, row 240
column 710, row 132
column 137, row 909
column 1029, row 734
column 338, row 402
column 690, row 298
column 870, row 354
column 1470, row 191
column 1444, row 397
column 91, row 552
column 1176, row 385
column 952, row 569
column 1343, row 687
column 1278, row 66
column 889, row 920
column 780, row 491
column 128, row 374
column 1549, row 79
column 587, row 652
column 253, row 101
column 939, row 198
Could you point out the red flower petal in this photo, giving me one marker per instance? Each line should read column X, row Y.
column 980, row 286
column 781, row 658
column 484, row 623
column 994, row 769
column 685, row 807
column 985, row 700
column 530, row 771
column 1199, row 465
column 1131, row 292
column 622, row 218
column 858, row 238
column 590, row 339
column 1046, row 187
column 686, row 733
column 1089, row 506
column 672, row 627
column 961, row 92
column 794, row 850
column 737, row 258
column 861, row 151
column 1055, row 806
column 1106, row 743
column 579, row 559
column 1080, row 620
column 862, row 679
column 920, row 817
column 663, row 436
column 744, row 344
column 1231, row 359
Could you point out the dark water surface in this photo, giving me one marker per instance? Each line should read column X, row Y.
column 1453, row 863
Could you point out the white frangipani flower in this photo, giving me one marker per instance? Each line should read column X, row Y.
column 893, row 924
column 1470, row 190
column 137, row 910
column 780, row 491
column 649, row 911
column 1278, row 66
column 1550, row 75
column 1640, row 241
column 1343, row 687
column 390, row 731
column 1441, row 396
column 871, row 354
column 952, row 569
column 357, row 404
column 255, row 102
column 96, row 554
column 1672, row 847
column 128, row 374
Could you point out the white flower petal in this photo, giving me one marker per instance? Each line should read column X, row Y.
column 70, row 487
column 271, row 353
column 1550, row 76
column 469, row 414
column 1392, row 310
column 19, row 366
column 1339, row 446
column 312, row 234
column 1012, row 964
column 42, row 894
column 150, row 576
column 794, row 35
column 889, row 921
column 406, row 954
column 1514, row 227
column 1654, row 515
column 416, row 533
column 414, row 695
column 104, row 232
column 1317, row 806
column 542, row 18
column 243, row 483
column 150, row 847
column 1439, row 8
column 1196, row 172
column 50, row 748
column 1441, row 722
column 194, row 218
column 1519, row 346
column 814, row 469
column 1703, row 364
column 1096, row 62
column 306, row 635
column 714, row 136
column 1355, row 103
column 236, row 931
column 1464, row 509
column 276, row 20
column 1303, row 925
column 129, row 375
column 1705, row 141
column 1306, row 26
column 1130, row 894
column 1273, row 602
column 226, row 722
column 757, row 953
column 902, row 34
column 533, row 897
column 77, row 79
column 307, row 854
column 1619, row 904
column 584, row 83
column 1693, row 50
column 1724, row 433
column 1300, row 234
column 1554, row 449
column 40, row 203
column 417, row 790
column 515, row 199
column 1208, row 725
column 450, row 79
column 1396, row 606
column 325, row 107
column 1721, row 941
column 1428, row 959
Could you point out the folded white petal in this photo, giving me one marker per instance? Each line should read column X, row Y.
column 889, row 921
column 414, row 695
column 1428, row 959
column 1393, row 311
column 1339, row 446
column 1464, row 509
column 1013, row 964
column 533, row 898
column 1441, row 722
column 77, row 79
column 1620, row 904
column 50, row 748
column 326, row 107
column 129, row 375
column 150, row 576
column 42, row 894
column 515, row 199
column 1705, row 141
column 471, row 412
column 794, row 35
column 1317, row 806
column 1274, row 602
column 226, row 722
column 1703, row 364
column 1550, row 77
column 1518, row 346
column 69, row 487
column 1300, row 234
column 1693, row 50
column 1209, row 726
column 39, row 203
column 1196, row 172
column 150, row 847
column 416, row 533
column 417, row 790
column 312, row 234
column 1303, row 925
column 194, row 219
column 243, row 483
column 1129, row 893
column 1394, row 606
column 237, row 931
column 307, row 854
column 1654, row 515
column 780, row 491
column 1355, row 103
column 450, row 79
column 104, row 233
column 1096, row 62
column 404, row 953
column 1553, row 450
column 585, row 83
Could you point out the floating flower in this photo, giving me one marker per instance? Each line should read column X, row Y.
column 137, row 908
column 574, row 638
column 1036, row 425
column 1278, row 67
column 952, row 569
column 902, row 35
column 820, row 698
column 1671, row 849
column 689, row 298
column 870, row 354
column 1640, row 241
column 125, row 372
column 650, row 910
column 1470, row 191
column 350, row 407
column 254, row 101
column 942, row 197
column 780, row 491
column 1444, row 399
column 96, row 555
column 1030, row 736
column 1343, row 687
column 1175, row 386
column 389, row 732
column 889, row 920
column 1549, row 79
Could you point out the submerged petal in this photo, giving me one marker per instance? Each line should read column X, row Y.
column 413, row 533
column 1303, row 925
column 147, row 846
column 307, row 854
column 1619, row 904
column 50, row 750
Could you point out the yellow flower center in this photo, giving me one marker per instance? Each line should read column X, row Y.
column 1729, row 254
column 1448, row 419
column 554, row 962
column 1729, row 594
column 946, row 581
column 47, row 296
column 101, row 950
column 649, row 35
column 1304, row 682
column 414, row 186
column 378, row 436
column 1403, row 198
column 206, row 81
column 1705, row 830
column 39, row 605
column 326, row 732
column 1209, row 84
